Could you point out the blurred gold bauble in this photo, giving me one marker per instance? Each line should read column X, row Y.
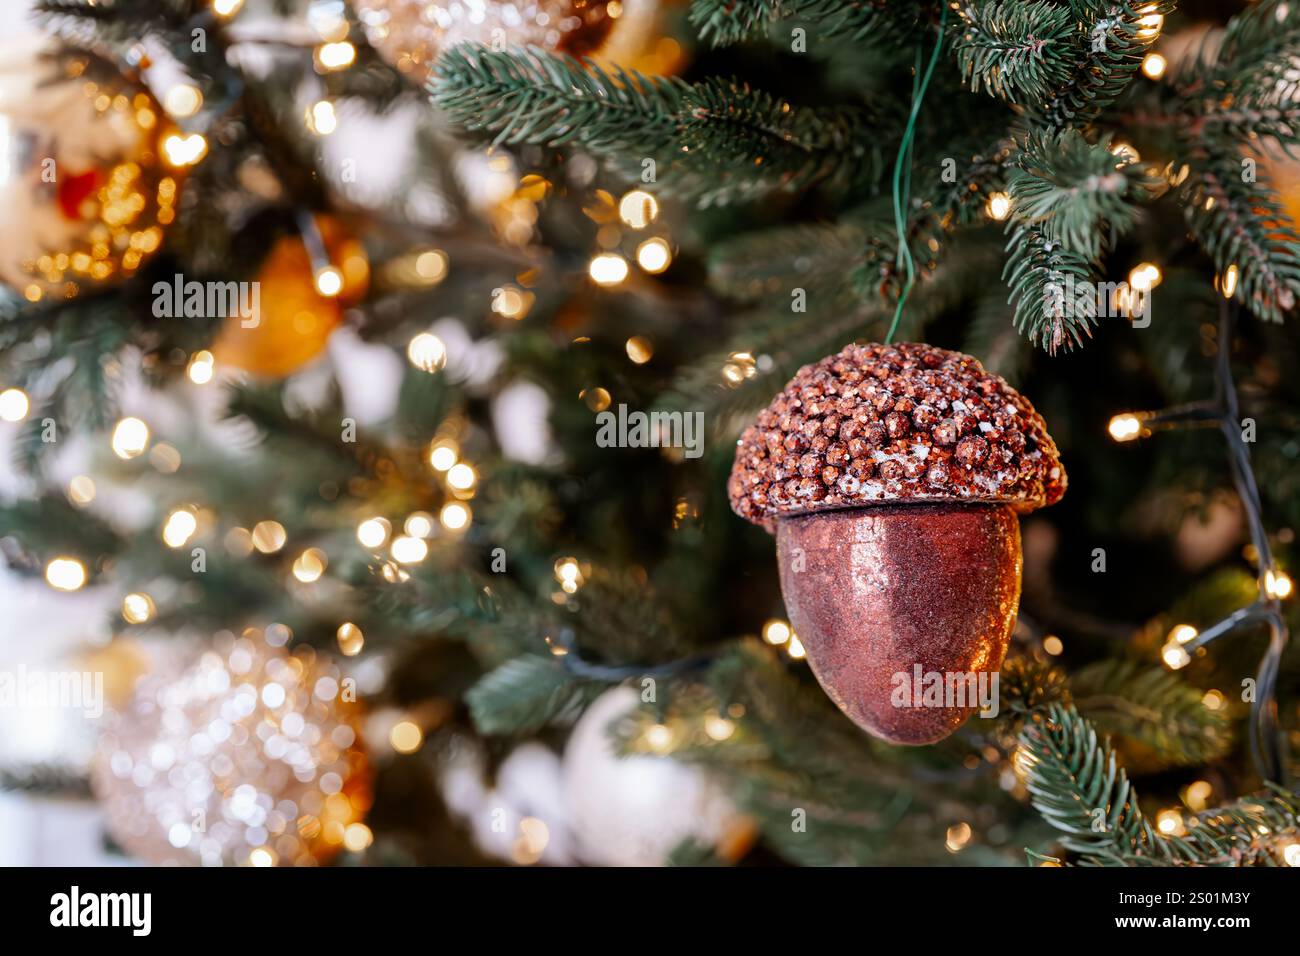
column 85, row 193
column 122, row 662
column 250, row 755
column 295, row 320
column 411, row 34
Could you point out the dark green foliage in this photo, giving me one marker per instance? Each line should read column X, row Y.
column 1039, row 272
column 1016, row 50
column 525, row 694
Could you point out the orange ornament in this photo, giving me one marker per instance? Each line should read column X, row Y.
column 294, row 318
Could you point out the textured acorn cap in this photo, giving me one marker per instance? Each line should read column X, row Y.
column 893, row 424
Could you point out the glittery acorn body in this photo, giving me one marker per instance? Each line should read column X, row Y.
column 892, row 477
column 876, row 593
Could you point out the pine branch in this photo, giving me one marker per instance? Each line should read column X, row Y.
column 1075, row 784
column 1154, row 708
column 525, row 694
column 877, row 22
column 776, row 261
column 1020, row 52
column 1242, row 225
column 1078, row 194
column 1039, row 272
column 1115, row 40
column 715, row 142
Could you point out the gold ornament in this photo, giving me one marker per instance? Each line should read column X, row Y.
column 294, row 319
column 248, row 756
column 85, row 191
column 411, row 34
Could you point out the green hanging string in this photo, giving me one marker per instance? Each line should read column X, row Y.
column 903, row 173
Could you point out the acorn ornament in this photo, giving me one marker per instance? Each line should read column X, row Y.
column 892, row 477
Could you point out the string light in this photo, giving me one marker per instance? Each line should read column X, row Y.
column 427, row 352
column 184, row 150
column 776, row 632
column 1145, row 277
column 569, row 573
column 597, row 399
column 310, row 565
column 407, row 549
column 1170, row 822
column 608, row 269
column 1125, row 427
column 183, row 100
column 442, row 456
column 357, row 837
column 1150, row 24
column 795, row 648
column 1154, row 66
column 638, row 208
column 639, row 349
column 461, row 477
column 406, row 737
column 269, row 536
column 1197, row 795
column 321, row 118
column 1277, row 585
column 718, row 728
column 958, row 836
column 418, row 524
column 329, row 281
column 454, row 516
column 137, row 607
column 431, row 266
column 1053, row 645
column 511, row 302
column 14, row 405
column 130, row 438
column 1175, row 656
column 659, row 737
column 179, row 528
column 65, row 574
column 373, row 532
column 201, row 367
column 81, row 490
column 226, row 8
column 654, row 255
column 1291, row 854
column 334, row 56
column 1182, row 633
column 1228, row 284
column 350, row 639
column 999, row 206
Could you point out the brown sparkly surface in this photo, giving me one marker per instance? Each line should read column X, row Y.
column 893, row 423
column 874, row 592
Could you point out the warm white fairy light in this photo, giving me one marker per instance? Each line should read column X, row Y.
column 81, row 490
column 659, row 738
column 607, row 269
column 461, row 477
column 718, row 727
column 269, row 536
column 795, row 648
column 427, row 352
column 1182, row 633
column 1228, row 283
column 454, row 516
column 65, row 574
column 137, row 607
column 310, row 565
column 776, row 632
column 569, row 574
column 1145, row 277
column 373, row 532
column 638, row 208
column 1125, row 427
column 1175, row 656
column 14, row 405
column 407, row 549
column 201, row 367
column 418, row 524
column 442, row 456
column 226, row 8
column 179, row 528
column 130, row 438
column 1154, row 66
column 321, row 118
column 329, row 281
column 654, row 255
column 183, row 100
column 1278, row 585
column 184, row 149
column 999, row 206
column 350, row 639
column 335, row 56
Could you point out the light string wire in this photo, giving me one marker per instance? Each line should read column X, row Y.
column 903, row 183
column 1267, row 745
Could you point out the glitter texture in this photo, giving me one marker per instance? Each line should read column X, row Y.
column 881, row 423
column 247, row 756
column 411, row 34
column 875, row 593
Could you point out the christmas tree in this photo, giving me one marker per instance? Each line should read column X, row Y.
column 397, row 375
